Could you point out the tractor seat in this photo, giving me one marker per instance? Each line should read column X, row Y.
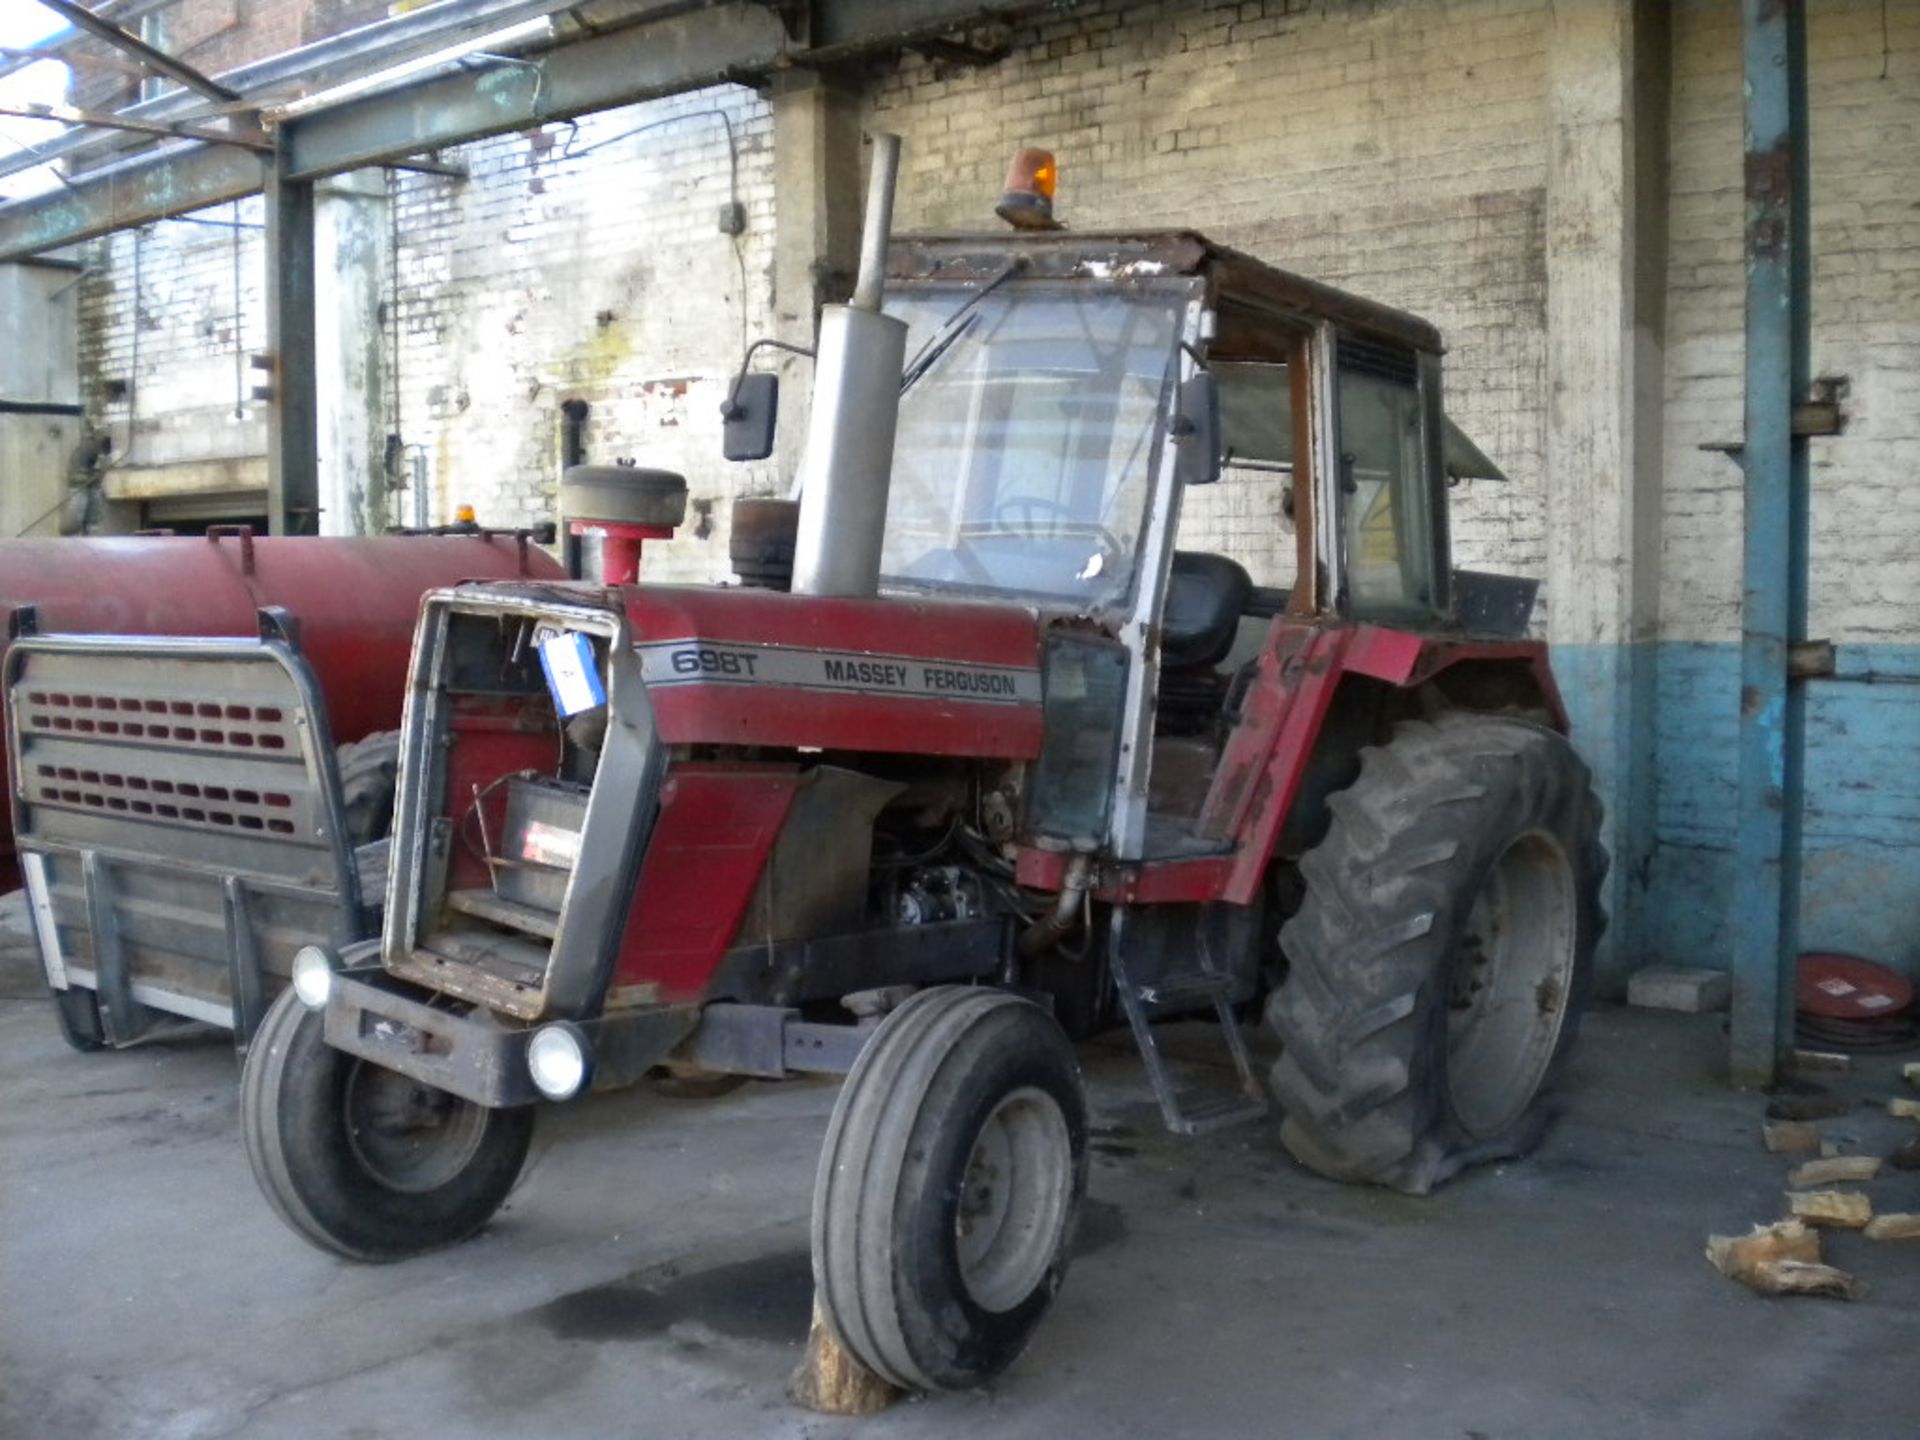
column 1206, row 596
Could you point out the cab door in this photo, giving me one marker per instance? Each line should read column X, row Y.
column 1387, row 511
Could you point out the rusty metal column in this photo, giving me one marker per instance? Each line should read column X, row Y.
column 293, row 472
column 1766, row 919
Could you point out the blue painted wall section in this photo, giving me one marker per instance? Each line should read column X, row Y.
column 1609, row 694
column 1861, row 890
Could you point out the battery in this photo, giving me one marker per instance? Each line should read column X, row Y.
column 541, row 841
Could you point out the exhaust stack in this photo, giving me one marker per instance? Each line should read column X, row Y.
column 848, row 462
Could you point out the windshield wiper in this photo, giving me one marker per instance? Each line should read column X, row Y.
column 954, row 326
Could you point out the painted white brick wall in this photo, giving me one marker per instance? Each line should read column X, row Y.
column 1397, row 150
column 1864, row 86
column 167, row 324
column 581, row 264
column 1393, row 149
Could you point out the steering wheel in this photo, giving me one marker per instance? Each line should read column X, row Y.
column 1064, row 526
column 1023, row 514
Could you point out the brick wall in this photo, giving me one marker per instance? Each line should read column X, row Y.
column 1397, row 150
column 163, row 313
column 1864, row 86
column 580, row 264
column 1863, row 749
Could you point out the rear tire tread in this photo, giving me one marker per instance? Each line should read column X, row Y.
column 1368, row 948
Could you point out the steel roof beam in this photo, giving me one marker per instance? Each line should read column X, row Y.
column 380, row 42
column 695, row 45
column 71, row 115
column 187, row 178
column 153, row 58
column 54, row 46
column 35, row 55
column 642, row 62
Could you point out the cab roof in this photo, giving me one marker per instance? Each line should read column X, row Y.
column 1234, row 276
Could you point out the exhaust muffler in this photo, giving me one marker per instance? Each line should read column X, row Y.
column 848, row 461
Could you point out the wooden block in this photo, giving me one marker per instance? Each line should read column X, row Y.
column 1781, row 1259
column 1678, row 987
column 1791, row 1137
column 1839, row 1168
column 1738, row 1255
column 1839, row 1208
column 1795, row 1277
column 831, row 1381
column 1903, row 1108
column 1894, row 1227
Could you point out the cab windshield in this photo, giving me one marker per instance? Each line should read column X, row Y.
column 1029, row 430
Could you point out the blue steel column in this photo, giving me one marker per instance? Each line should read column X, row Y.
column 293, row 422
column 1766, row 918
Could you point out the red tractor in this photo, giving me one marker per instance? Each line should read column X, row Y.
column 1010, row 758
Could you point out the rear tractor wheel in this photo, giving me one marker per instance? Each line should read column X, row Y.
column 361, row 1160
column 949, row 1184
column 1441, row 957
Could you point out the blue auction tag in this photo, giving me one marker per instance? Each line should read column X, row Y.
column 571, row 679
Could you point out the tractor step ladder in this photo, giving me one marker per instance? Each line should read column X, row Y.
column 1177, row 991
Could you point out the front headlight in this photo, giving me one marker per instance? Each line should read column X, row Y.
column 559, row 1060
column 312, row 976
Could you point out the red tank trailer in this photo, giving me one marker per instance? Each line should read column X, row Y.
column 356, row 601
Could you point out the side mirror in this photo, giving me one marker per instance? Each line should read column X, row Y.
column 1196, row 431
column 748, row 417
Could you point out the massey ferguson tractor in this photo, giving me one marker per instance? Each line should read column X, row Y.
column 1008, row 756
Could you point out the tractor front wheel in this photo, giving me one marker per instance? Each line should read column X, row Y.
column 1439, row 962
column 361, row 1160
column 949, row 1183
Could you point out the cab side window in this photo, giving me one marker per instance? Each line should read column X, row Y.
column 1387, row 526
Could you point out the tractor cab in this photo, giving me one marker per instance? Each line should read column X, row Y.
column 1161, row 445
column 1064, row 392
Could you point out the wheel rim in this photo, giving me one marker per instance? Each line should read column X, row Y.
column 1508, row 992
column 1015, row 1194
column 409, row 1137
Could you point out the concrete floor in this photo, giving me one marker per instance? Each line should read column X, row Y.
column 650, row 1276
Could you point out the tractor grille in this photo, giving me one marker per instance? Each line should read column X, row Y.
column 216, row 806
column 174, row 813
column 160, row 720
column 153, row 753
column 189, row 761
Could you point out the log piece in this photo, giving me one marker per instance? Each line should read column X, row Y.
column 1839, row 1168
column 831, row 1381
column 1830, row 1207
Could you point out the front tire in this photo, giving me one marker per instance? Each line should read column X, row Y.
column 949, row 1184
column 1440, row 960
column 360, row 1160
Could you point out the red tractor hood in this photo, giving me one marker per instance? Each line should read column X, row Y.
column 758, row 667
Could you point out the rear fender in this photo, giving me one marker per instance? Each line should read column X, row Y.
column 1319, row 694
